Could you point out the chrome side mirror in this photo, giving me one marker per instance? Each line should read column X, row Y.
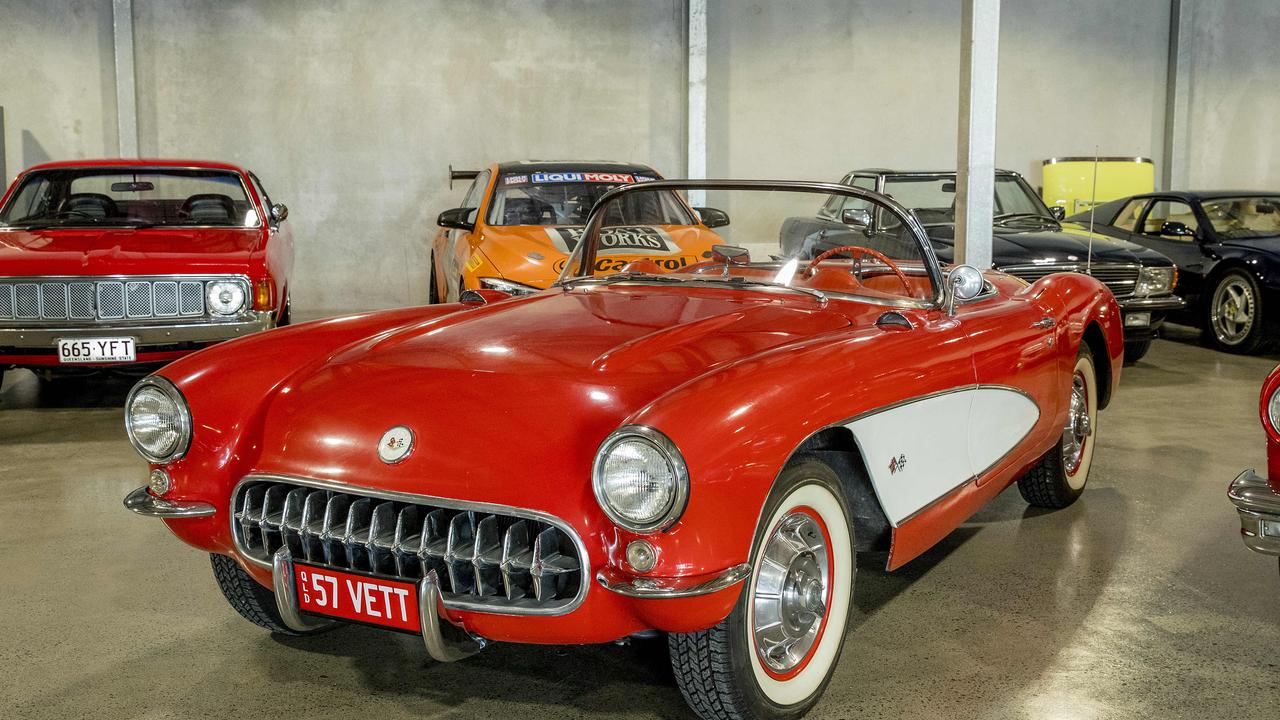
column 964, row 283
column 279, row 213
column 856, row 217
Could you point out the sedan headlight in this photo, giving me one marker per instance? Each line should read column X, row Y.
column 158, row 420
column 1154, row 281
column 640, row 480
column 226, row 297
column 508, row 287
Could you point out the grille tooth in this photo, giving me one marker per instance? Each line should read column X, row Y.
column 517, row 558
column 138, row 299
column 6, row 301
column 552, row 570
column 191, row 298
column 459, row 552
column 166, row 298
column 53, row 297
column 486, row 556
column 486, row 561
column 111, row 300
column 26, row 302
column 80, row 301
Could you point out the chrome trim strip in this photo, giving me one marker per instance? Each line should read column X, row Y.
column 143, row 335
column 440, row 648
column 144, row 503
column 1158, row 302
column 450, row 603
column 1255, row 502
column 650, row 589
column 1108, row 158
column 287, row 596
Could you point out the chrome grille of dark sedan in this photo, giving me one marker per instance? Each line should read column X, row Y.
column 500, row 561
column 72, row 299
column 1119, row 278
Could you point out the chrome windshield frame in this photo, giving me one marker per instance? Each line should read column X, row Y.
column 584, row 255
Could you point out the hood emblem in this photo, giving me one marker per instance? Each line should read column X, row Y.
column 395, row 445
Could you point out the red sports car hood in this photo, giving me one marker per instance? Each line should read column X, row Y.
column 126, row 251
column 482, row 388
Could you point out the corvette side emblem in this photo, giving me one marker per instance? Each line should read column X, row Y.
column 896, row 464
column 395, row 445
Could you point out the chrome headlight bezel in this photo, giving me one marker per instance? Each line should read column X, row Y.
column 183, row 419
column 675, row 462
column 1273, row 411
column 507, row 286
column 1154, row 280
column 214, row 287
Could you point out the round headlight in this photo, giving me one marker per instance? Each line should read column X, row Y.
column 157, row 420
column 225, row 297
column 640, row 480
column 1273, row 411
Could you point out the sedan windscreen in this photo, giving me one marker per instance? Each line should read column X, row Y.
column 129, row 197
column 1244, row 217
column 566, row 199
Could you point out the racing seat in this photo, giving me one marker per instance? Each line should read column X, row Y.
column 527, row 211
column 90, row 204
column 208, row 209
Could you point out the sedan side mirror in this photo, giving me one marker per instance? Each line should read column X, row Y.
column 1058, row 212
column 279, row 213
column 1173, row 228
column 711, row 217
column 964, row 283
column 457, row 219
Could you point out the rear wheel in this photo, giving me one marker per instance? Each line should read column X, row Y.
column 1233, row 315
column 254, row 602
column 775, row 653
column 1059, row 477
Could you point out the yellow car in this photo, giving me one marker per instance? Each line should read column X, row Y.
column 519, row 221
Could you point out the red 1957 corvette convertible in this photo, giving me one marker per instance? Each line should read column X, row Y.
column 698, row 452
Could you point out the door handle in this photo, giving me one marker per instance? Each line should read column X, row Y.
column 1046, row 323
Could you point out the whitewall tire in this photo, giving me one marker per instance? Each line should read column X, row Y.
column 1059, row 477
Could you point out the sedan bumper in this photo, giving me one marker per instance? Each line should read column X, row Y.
column 1143, row 316
column 37, row 345
column 1259, row 509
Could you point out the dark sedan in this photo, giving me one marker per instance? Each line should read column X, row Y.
column 1227, row 248
column 1029, row 241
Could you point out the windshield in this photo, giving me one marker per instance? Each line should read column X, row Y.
column 1244, row 217
column 768, row 237
column 566, row 198
column 129, row 197
column 933, row 198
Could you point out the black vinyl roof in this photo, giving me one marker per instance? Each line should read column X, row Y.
column 1190, row 195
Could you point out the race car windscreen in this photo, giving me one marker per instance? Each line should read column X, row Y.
column 130, row 197
column 765, row 237
column 565, row 198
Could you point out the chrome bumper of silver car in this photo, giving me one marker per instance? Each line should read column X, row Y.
column 144, row 333
column 1259, row 508
column 1159, row 303
column 648, row 589
column 144, row 503
column 444, row 642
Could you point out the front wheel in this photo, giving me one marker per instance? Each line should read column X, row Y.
column 1233, row 315
column 1135, row 350
column 775, row 653
column 1059, row 477
column 254, row 602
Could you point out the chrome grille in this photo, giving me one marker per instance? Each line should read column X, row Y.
column 1119, row 278
column 70, row 299
column 505, row 561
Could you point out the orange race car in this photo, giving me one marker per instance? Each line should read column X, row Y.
column 519, row 221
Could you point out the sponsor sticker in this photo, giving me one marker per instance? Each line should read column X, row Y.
column 615, row 264
column 591, row 177
column 625, row 239
column 474, row 262
column 515, row 179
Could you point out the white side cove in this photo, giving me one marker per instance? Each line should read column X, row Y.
column 923, row 449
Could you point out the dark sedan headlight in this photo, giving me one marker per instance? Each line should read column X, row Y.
column 1155, row 281
column 508, row 287
column 640, row 479
column 158, row 420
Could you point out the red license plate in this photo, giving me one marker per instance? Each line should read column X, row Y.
column 353, row 596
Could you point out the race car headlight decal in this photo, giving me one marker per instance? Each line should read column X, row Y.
column 640, row 479
column 506, row 286
column 1154, row 281
column 157, row 420
column 226, row 297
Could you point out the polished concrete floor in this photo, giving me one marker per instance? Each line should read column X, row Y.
column 1137, row 602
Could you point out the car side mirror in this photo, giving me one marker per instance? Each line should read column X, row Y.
column 279, row 213
column 1058, row 212
column 1172, row 228
column 457, row 219
column 711, row 217
column 730, row 254
column 963, row 283
column 857, row 217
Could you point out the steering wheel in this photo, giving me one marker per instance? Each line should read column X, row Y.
column 859, row 250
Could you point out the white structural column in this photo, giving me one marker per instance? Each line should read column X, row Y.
column 126, row 85
column 976, row 159
column 697, row 95
column 1177, row 109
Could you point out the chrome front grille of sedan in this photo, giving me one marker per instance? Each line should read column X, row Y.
column 1120, row 278
column 487, row 558
column 39, row 299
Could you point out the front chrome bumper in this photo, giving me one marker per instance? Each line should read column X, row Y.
column 1259, row 508
column 1161, row 303
column 144, row 333
column 649, row 589
column 144, row 503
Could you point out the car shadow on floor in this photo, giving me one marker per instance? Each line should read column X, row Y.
column 22, row 390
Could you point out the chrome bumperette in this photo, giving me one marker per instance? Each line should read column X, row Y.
column 488, row 558
column 457, row 645
column 1258, row 506
column 286, row 592
column 144, row 503
column 651, row 589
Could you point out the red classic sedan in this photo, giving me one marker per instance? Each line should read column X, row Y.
column 698, row 452
column 105, row 263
